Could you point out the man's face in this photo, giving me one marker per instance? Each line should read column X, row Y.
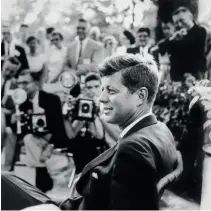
column 9, row 69
column 33, row 45
column 182, row 18
column 142, row 38
column 93, row 88
column 82, row 30
column 56, row 40
column 27, row 83
column 6, row 34
column 118, row 104
column 167, row 28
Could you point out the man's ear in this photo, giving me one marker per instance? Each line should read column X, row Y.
column 142, row 94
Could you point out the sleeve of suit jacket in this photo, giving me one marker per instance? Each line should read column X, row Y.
column 57, row 123
column 134, row 177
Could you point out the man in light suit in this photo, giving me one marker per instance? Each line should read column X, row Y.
column 84, row 53
column 126, row 176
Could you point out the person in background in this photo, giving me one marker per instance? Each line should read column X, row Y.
column 163, row 59
column 55, row 57
column 127, row 40
column 94, row 33
column 23, row 35
column 142, row 42
column 84, row 53
column 10, row 49
column 36, row 60
column 48, row 33
column 38, row 145
column 110, row 46
column 186, row 46
column 9, row 73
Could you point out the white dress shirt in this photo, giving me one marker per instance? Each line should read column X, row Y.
column 144, row 50
column 124, row 132
column 35, row 101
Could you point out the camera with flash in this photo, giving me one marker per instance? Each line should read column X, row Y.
column 39, row 123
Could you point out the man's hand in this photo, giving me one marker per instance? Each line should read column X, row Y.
column 15, row 118
column 178, row 35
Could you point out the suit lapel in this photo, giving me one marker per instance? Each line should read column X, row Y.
column 147, row 121
column 100, row 159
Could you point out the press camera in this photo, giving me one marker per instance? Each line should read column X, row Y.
column 78, row 108
column 28, row 122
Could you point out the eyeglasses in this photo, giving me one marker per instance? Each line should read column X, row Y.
column 24, row 83
column 82, row 28
column 55, row 40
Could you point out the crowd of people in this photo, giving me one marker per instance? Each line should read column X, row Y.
column 36, row 124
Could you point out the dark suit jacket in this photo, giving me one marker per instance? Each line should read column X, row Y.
column 52, row 106
column 136, row 50
column 127, row 175
column 186, row 55
column 22, row 57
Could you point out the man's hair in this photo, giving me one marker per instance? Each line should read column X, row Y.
column 129, row 36
column 31, row 38
column 137, row 72
column 24, row 26
column 49, row 30
column 82, row 20
column 144, row 29
column 92, row 77
column 58, row 34
column 36, row 76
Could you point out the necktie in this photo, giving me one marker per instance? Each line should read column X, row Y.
column 80, row 53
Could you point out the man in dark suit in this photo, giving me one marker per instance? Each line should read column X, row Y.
column 48, row 106
column 186, row 47
column 9, row 49
column 142, row 44
column 126, row 176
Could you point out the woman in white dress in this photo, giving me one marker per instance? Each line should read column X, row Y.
column 56, row 57
column 36, row 59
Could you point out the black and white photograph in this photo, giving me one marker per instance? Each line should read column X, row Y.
column 105, row 105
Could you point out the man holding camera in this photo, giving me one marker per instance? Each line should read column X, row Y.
column 186, row 46
column 43, row 126
column 91, row 135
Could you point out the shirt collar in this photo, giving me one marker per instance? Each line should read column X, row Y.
column 124, row 132
column 83, row 41
column 35, row 99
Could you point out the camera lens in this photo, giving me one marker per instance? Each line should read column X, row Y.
column 85, row 108
column 40, row 123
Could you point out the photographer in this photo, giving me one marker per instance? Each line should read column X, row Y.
column 186, row 46
column 91, row 137
column 42, row 125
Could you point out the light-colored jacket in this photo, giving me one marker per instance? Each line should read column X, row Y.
column 92, row 53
